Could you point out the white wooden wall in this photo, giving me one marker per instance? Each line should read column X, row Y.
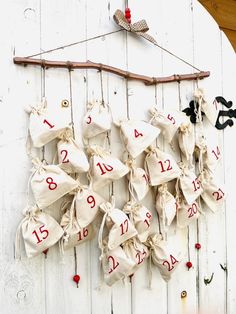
column 29, row 26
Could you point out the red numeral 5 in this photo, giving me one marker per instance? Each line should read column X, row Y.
column 172, row 119
column 42, row 231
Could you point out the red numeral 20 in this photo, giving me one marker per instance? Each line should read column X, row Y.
column 167, row 163
column 137, row 134
column 170, row 265
column 82, row 234
column 114, row 264
column 104, row 166
column 149, row 217
column 192, row 210
column 216, row 152
column 196, row 184
column 42, row 231
column 49, row 124
column 65, row 152
column 91, row 201
column 124, row 226
column 51, row 185
column 219, row 194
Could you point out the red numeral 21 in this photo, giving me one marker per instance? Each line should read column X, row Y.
column 114, row 264
column 170, row 265
column 216, row 152
column 104, row 166
column 196, row 184
column 82, row 234
column 124, row 226
column 219, row 194
column 149, row 217
column 42, row 231
column 65, row 152
column 192, row 210
column 49, row 124
column 167, row 164
column 137, row 134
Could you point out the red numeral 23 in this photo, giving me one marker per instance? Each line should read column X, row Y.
column 42, row 231
column 82, row 234
column 167, row 161
column 64, row 160
column 170, row 265
column 51, row 185
column 219, row 194
column 106, row 167
column 114, row 264
column 124, row 226
column 192, row 210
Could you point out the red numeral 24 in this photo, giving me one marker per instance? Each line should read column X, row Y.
column 219, row 194
column 196, row 184
column 124, row 226
column 170, row 265
column 42, row 231
column 167, row 163
column 49, row 124
column 216, row 153
column 65, row 152
column 104, row 166
column 192, row 210
column 114, row 264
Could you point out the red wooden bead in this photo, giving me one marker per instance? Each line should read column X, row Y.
column 76, row 278
column 127, row 15
column 198, row 246
column 127, row 10
column 189, row 264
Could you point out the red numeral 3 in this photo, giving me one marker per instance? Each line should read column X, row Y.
column 42, row 231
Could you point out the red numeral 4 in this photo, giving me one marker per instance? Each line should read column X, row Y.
column 170, row 265
column 172, row 119
column 41, row 231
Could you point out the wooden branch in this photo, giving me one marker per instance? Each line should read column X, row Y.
column 148, row 80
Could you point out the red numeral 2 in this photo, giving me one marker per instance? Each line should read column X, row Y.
column 124, row 226
column 170, row 265
column 192, row 210
column 219, row 194
column 137, row 134
column 42, row 231
column 91, row 200
column 82, row 234
column 167, row 161
column 49, row 124
column 216, row 152
column 107, row 168
column 114, row 264
column 65, row 152
column 89, row 120
column 196, row 184
column 147, row 221
column 51, row 185
column 169, row 117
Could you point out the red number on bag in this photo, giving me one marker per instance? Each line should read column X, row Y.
column 146, row 177
column 167, row 161
column 137, row 134
column 107, row 168
column 91, row 200
column 64, row 160
column 219, row 194
column 51, row 185
column 216, row 152
column 50, row 125
column 192, row 210
column 139, row 257
column 170, row 265
column 172, row 119
column 82, row 234
column 114, row 264
column 89, row 120
column 147, row 221
column 197, row 184
column 42, row 231
column 124, row 226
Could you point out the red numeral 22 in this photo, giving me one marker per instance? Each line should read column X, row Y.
column 106, row 167
column 219, row 194
column 167, row 161
column 65, row 152
column 42, row 231
column 192, row 210
column 170, row 265
column 114, row 264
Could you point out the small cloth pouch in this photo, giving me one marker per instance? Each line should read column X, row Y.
column 186, row 139
column 187, row 213
column 163, row 256
column 137, row 135
column 160, row 166
column 167, row 122
column 104, row 168
column 165, row 206
column 39, row 231
column 138, row 181
column 97, row 119
column 213, row 193
column 71, row 157
column 49, row 183
column 211, row 156
column 120, row 227
column 45, row 125
column 140, row 217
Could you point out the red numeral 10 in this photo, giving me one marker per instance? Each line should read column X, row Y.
column 82, row 234
column 170, row 265
column 114, row 264
column 137, row 134
column 196, row 184
column 216, row 152
column 42, row 231
column 167, row 164
column 104, row 166
column 219, row 194
column 91, row 201
column 149, row 217
column 124, row 226
column 65, row 152
column 49, row 124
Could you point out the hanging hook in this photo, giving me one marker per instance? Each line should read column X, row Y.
column 225, row 113
column 207, row 281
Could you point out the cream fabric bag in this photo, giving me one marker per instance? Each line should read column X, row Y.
column 138, row 181
column 71, row 157
column 140, row 217
column 137, row 135
column 163, row 256
column 97, row 119
column 49, row 183
column 104, row 168
column 167, row 122
column 165, row 206
column 186, row 214
column 212, row 156
column 45, row 125
column 39, row 231
column 214, row 193
column 120, row 227
column 161, row 167
column 186, row 139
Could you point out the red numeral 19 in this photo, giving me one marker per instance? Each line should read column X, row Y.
column 91, row 201
column 167, row 164
column 216, row 152
column 196, row 184
column 149, row 217
column 42, row 231
column 104, row 166
column 49, row 124
column 114, row 264
column 82, row 234
column 124, row 226
column 170, row 265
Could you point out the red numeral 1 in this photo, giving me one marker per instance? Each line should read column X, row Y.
column 147, row 221
column 42, row 231
column 123, row 226
column 49, row 124
column 216, row 153
column 137, row 134
column 82, row 234
column 169, row 167
column 114, row 264
column 196, row 184
column 107, row 168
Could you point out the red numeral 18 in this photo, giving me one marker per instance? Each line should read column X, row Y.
column 49, row 124
column 167, row 164
column 106, row 167
column 42, row 231
column 114, row 264
column 124, row 226
column 170, row 265
column 82, row 234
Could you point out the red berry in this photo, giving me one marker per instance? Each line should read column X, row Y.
column 76, row 278
column 189, row 264
column 198, row 246
column 127, row 15
column 127, row 10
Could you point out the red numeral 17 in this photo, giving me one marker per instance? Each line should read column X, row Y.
column 216, row 153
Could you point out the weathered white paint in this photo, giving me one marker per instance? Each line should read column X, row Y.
column 44, row 285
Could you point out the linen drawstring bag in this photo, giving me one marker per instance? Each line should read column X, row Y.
column 49, row 183
column 138, row 180
column 165, row 206
column 190, row 184
column 71, row 157
column 140, row 217
column 167, row 122
column 73, row 233
column 104, row 168
column 214, row 193
column 97, row 119
column 211, row 156
column 160, row 166
column 211, row 110
column 136, row 251
column 137, row 135
column 119, row 225
column 163, row 256
column 187, row 213
column 39, row 231
column 186, row 140
column 45, row 125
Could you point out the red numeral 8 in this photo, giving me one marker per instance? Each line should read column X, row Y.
column 51, row 185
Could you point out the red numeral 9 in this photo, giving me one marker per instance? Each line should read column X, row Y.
column 91, row 200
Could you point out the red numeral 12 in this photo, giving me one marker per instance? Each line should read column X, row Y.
column 49, row 124
column 169, row 167
column 42, row 231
